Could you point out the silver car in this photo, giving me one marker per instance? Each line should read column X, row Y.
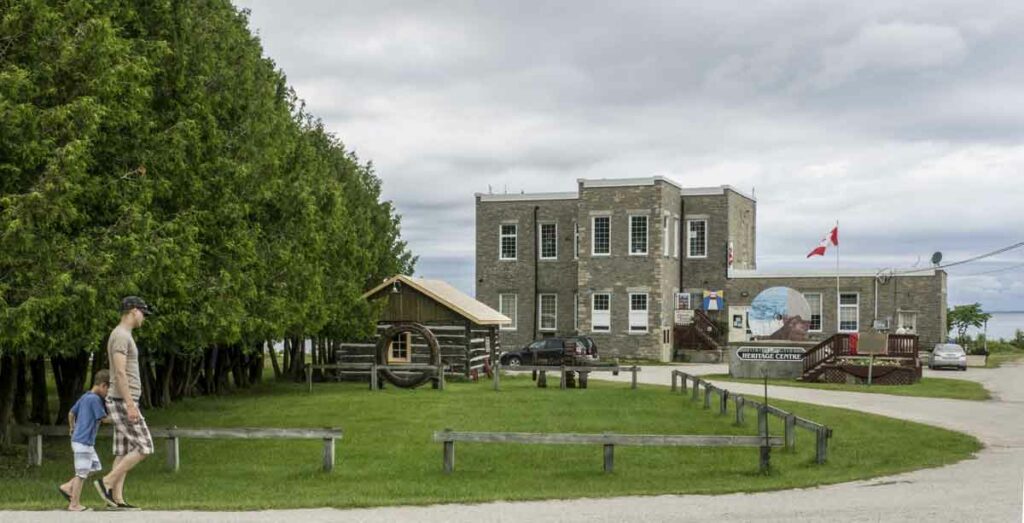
column 948, row 355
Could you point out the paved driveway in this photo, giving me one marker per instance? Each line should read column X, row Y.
column 988, row 488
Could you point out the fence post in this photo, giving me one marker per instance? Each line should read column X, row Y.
column 683, row 384
column 766, row 457
column 328, row 454
column 674, row 378
column 440, row 375
column 374, row 385
column 762, row 420
column 449, row 455
column 633, row 386
column 35, row 449
column 696, row 389
column 542, row 379
column 739, row 409
column 173, row 452
column 496, row 368
column 723, row 401
column 609, row 457
column 822, row 446
column 561, row 376
column 790, row 431
column 707, row 395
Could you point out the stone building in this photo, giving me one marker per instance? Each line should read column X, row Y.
column 616, row 258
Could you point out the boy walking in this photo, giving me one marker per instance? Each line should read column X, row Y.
column 84, row 420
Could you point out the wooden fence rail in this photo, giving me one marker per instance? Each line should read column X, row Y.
column 608, row 441
column 562, row 369
column 373, row 369
column 790, row 421
column 173, row 435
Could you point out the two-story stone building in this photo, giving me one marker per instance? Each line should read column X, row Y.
column 616, row 258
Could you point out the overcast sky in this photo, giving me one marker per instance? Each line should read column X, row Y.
column 903, row 120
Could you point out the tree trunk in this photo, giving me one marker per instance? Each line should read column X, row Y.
column 40, row 396
column 7, row 380
column 20, row 408
column 273, row 359
column 69, row 374
column 286, row 366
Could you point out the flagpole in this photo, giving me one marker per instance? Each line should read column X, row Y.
column 838, row 323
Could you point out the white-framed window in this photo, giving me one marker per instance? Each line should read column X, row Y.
column 814, row 300
column 600, row 238
column 548, row 241
column 666, row 236
column 676, row 239
column 601, row 312
column 849, row 312
column 638, row 235
column 547, row 312
column 507, row 239
column 906, row 322
column 576, row 241
column 697, row 238
column 508, row 305
column 638, row 312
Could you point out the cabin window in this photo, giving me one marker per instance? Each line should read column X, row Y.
column 400, row 349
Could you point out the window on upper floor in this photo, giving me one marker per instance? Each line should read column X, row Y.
column 637, row 235
column 507, row 239
column 697, row 238
column 675, row 237
column 666, row 236
column 548, row 241
column 601, row 236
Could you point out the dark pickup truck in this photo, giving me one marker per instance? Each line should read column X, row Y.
column 553, row 351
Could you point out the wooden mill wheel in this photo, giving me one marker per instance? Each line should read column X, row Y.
column 413, row 378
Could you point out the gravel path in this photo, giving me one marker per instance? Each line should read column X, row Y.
column 988, row 488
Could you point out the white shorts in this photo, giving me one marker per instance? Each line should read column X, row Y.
column 86, row 460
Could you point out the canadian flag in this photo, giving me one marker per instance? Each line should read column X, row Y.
column 832, row 237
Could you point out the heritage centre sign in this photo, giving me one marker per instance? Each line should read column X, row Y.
column 770, row 353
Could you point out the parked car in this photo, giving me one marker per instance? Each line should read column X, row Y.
column 552, row 351
column 948, row 355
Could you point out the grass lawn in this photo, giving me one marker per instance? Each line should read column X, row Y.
column 387, row 458
column 927, row 387
column 997, row 359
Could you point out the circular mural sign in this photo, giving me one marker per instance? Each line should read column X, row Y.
column 780, row 313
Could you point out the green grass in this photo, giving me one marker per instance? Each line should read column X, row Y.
column 997, row 359
column 387, row 457
column 926, row 388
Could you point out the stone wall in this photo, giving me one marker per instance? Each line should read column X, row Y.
column 742, row 218
column 708, row 272
column 923, row 294
column 495, row 276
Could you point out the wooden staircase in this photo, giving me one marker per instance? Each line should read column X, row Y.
column 702, row 334
column 823, row 354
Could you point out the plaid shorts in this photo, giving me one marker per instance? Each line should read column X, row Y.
column 128, row 436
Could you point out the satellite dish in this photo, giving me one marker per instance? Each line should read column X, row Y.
column 937, row 258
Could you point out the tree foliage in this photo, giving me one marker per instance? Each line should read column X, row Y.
column 149, row 148
column 962, row 317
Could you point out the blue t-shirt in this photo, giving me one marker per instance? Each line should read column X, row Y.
column 88, row 411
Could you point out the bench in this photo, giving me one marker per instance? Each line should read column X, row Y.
column 608, row 441
column 173, row 435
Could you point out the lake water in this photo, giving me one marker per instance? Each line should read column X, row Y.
column 1002, row 325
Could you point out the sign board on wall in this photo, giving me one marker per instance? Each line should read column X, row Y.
column 683, row 300
column 714, row 300
column 684, row 317
column 770, row 353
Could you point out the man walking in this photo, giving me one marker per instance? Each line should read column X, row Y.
column 132, row 441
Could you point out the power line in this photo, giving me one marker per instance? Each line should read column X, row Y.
column 961, row 262
column 1010, row 268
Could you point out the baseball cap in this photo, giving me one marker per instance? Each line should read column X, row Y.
column 134, row 302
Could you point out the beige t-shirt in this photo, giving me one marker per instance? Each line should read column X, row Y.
column 121, row 342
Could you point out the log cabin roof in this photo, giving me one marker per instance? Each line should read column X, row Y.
column 448, row 296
